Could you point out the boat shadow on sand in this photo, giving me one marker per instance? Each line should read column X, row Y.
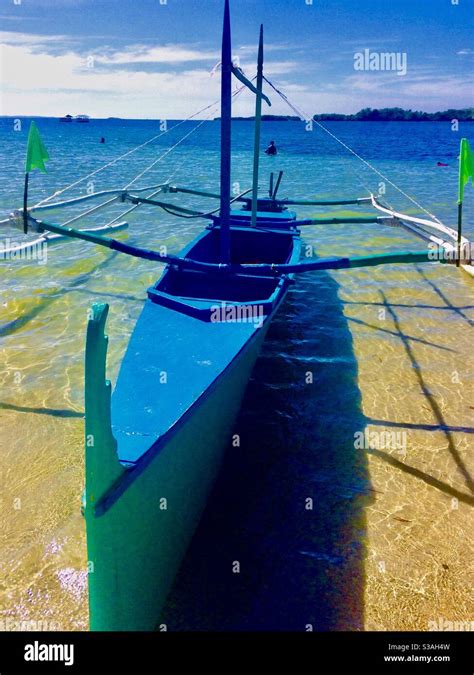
column 281, row 543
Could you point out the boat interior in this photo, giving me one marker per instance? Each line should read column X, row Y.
column 247, row 246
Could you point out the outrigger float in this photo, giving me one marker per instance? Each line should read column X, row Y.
column 153, row 446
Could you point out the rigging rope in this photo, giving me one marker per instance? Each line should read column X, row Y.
column 150, row 196
column 167, row 152
column 126, row 154
column 235, row 94
column 212, row 112
column 138, row 147
column 305, row 117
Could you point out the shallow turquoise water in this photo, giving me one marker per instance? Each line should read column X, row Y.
column 383, row 345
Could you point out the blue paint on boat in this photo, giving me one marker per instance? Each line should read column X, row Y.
column 177, row 350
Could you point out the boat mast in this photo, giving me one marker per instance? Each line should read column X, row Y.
column 258, row 124
column 226, row 117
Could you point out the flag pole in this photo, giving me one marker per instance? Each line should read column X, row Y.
column 458, row 256
column 25, row 204
column 460, row 200
column 466, row 173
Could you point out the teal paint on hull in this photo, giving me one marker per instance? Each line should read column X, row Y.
column 136, row 547
column 152, row 441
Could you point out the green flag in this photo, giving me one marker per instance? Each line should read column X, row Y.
column 36, row 153
column 466, row 167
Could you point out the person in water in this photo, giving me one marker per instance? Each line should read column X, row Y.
column 271, row 150
column 102, row 140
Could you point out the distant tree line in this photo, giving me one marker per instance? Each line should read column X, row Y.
column 401, row 115
column 379, row 115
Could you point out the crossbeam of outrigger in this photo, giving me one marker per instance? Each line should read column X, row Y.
column 445, row 244
column 333, row 262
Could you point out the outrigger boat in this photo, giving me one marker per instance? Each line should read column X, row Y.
column 154, row 446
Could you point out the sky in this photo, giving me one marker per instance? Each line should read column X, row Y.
column 157, row 58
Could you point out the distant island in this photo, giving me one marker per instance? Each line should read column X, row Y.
column 378, row 115
column 401, row 115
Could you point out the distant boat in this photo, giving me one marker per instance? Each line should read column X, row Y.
column 82, row 118
column 66, row 118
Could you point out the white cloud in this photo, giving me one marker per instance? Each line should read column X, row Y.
column 15, row 38
column 48, row 75
column 441, row 85
column 46, row 84
column 36, row 81
column 281, row 67
column 419, row 90
column 162, row 54
column 275, row 47
column 272, row 68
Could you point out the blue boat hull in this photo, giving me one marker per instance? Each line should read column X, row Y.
column 149, row 526
column 177, row 396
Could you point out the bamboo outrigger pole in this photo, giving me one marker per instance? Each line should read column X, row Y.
column 258, row 125
column 226, row 121
column 466, row 172
column 256, row 269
